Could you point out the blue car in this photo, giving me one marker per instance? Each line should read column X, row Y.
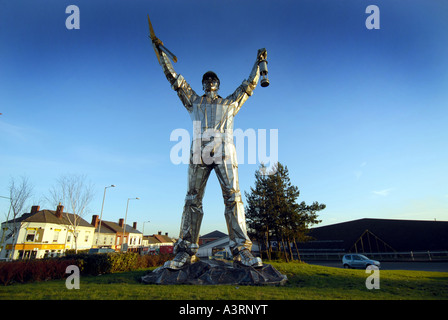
column 358, row 261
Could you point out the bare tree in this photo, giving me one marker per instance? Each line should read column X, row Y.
column 20, row 191
column 75, row 194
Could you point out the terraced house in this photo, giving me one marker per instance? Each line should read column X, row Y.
column 116, row 236
column 44, row 233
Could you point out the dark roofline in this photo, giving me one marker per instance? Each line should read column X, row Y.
column 214, row 234
column 104, row 229
column 165, row 239
column 215, row 241
column 116, row 227
column 400, row 234
column 157, row 239
column 49, row 216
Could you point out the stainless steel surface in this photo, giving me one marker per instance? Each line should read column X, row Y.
column 212, row 149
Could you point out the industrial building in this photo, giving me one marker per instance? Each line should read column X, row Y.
column 385, row 237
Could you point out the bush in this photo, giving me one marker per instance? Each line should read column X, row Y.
column 7, row 272
column 123, row 262
column 103, row 263
column 24, row 271
column 91, row 264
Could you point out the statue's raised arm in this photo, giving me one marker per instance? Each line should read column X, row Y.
column 165, row 62
column 246, row 89
column 177, row 81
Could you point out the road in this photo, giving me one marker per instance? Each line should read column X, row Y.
column 418, row 266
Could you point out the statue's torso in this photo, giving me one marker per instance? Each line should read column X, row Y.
column 214, row 114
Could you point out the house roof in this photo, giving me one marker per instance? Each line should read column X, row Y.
column 104, row 229
column 401, row 235
column 163, row 238
column 157, row 238
column 151, row 239
column 213, row 235
column 115, row 227
column 220, row 243
column 49, row 216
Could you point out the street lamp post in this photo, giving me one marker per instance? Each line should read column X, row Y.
column 101, row 215
column 144, row 227
column 125, row 218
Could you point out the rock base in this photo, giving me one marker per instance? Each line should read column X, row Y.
column 213, row 272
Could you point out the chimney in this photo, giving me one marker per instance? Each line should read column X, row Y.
column 166, row 233
column 160, row 233
column 121, row 222
column 59, row 211
column 95, row 221
column 134, row 225
column 34, row 209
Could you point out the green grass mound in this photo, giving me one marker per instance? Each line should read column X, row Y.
column 305, row 282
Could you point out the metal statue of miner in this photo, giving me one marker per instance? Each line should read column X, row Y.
column 214, row 114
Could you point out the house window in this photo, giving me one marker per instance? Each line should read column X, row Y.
column 26, row 254
column 56, row 235
column 87, row 236
column 30, row 235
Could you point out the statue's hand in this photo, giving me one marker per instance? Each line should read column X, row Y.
column 157, row 42
column 262, row 54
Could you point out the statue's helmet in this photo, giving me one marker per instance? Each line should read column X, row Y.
column 210, row 74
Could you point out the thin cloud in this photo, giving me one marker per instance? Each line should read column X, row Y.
column 358, row 173
column 382, row 193
column 15, row 133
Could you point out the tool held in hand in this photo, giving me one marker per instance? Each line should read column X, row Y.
column 158, row 44
column 263, row 64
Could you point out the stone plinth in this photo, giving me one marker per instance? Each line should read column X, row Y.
column 212, row 272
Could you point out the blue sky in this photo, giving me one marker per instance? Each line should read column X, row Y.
column 361, row 114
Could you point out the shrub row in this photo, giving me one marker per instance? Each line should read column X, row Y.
column 95, row 264
column 24, row 271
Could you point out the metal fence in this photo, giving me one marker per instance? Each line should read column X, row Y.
column 383, row 256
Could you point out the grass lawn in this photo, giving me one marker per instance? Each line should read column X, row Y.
column 307, row 282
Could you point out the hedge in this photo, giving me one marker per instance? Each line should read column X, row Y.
column 24, row 271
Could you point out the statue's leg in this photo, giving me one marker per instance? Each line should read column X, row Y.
column 187, row 245
column 239, row 243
